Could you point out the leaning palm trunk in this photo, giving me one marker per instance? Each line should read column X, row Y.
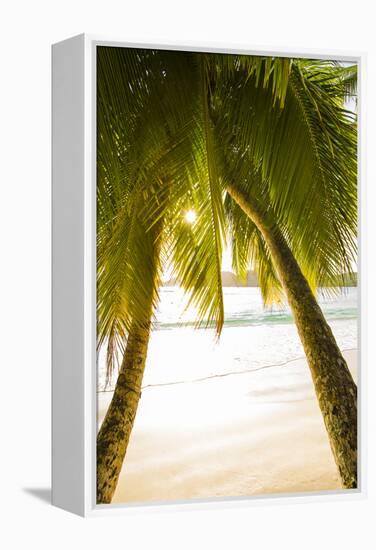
column 113, row 436
column 334, row 386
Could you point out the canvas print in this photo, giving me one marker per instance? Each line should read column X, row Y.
column 226, row 275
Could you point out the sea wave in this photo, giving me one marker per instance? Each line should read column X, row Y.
column 256, row 319
column 178, row 352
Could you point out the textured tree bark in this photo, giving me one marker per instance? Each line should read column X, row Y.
column 335, row 389
column 113, row 436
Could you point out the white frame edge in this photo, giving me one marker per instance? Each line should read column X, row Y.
column 68, row 277
column 74, row 279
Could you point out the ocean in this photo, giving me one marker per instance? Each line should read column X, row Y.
column 253, row 337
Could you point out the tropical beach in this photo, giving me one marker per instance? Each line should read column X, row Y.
column 261, row 433
column 226, row 275
column 222, row 419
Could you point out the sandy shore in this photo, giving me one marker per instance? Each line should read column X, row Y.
column 237, row 435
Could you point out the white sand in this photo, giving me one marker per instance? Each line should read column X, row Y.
column 238, row 435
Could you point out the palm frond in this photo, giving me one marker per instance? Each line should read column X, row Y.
column 153, row 162
column 306, row 155
column 265, row 72
column 173, row 128
column 249, row 250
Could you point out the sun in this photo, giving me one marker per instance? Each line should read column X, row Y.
column 190, row 216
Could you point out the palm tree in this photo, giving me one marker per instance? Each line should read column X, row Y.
column 149, row 175
column 216, row 121
column 301, row 206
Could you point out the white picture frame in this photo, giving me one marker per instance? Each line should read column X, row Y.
column 74, row 277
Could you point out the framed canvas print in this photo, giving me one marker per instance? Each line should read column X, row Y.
column 206, row 275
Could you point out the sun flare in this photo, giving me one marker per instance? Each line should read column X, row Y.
column 190, row 216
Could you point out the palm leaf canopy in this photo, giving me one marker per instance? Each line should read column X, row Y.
column 299, row 162
column 174, row 129
column 154, row 163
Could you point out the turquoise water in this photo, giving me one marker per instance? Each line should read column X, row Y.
column 253, row 337
column 244, row 307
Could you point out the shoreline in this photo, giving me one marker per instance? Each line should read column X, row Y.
column 220, row 375
column 228, row 436
column 190, row 354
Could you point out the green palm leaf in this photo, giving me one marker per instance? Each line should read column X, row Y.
column 150, row 171
column 306, row 155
